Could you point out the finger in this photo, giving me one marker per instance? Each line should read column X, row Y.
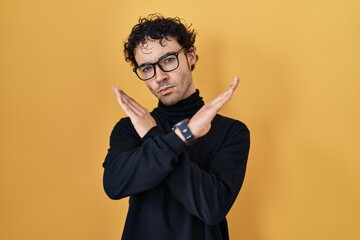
column 122, row 96
column 235, row 83
column 116, row 90
column 128, row 104
column 230, row 90
column 132, row 104
column 227, row 94
column 122, row 99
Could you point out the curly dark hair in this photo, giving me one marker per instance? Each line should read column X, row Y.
column 158, row 27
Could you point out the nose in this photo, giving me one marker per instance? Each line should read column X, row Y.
column 160, row 75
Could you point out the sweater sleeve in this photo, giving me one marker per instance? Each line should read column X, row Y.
column 209, row 194
column 133, row 165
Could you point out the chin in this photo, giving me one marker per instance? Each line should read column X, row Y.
column 168, row 101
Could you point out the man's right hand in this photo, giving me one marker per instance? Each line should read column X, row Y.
column 139, row 116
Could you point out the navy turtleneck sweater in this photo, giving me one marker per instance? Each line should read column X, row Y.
column 177, row 191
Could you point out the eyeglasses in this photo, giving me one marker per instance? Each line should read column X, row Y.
column 167, row 63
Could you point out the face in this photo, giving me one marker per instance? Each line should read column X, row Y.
column 168, row 87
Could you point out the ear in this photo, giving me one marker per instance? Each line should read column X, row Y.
column 192, row 56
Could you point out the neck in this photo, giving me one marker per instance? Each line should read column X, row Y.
column 185, row 108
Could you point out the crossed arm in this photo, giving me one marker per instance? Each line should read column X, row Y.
column 199, row 124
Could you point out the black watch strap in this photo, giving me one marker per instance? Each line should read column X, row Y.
column 190, row 139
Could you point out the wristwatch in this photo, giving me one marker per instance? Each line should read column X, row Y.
column 190, row 139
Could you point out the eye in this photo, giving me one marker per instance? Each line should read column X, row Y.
column 145, row 68
column 169, row 59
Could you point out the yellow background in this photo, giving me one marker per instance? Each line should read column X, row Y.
column 299, row 64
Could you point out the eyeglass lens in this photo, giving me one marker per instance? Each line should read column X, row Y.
column 166, row 64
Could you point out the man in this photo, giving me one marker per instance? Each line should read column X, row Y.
column 181, row 164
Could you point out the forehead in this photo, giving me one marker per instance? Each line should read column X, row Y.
column 152, row 50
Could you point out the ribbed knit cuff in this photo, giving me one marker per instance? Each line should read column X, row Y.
column 153, row 132
column 175, row 143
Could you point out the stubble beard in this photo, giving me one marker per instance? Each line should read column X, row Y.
column 180, row 91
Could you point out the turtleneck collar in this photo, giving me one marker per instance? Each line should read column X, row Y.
column 185, row 108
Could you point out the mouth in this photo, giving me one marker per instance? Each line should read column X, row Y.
column 165, row 90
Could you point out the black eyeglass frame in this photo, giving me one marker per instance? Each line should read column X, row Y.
column 176, row 54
